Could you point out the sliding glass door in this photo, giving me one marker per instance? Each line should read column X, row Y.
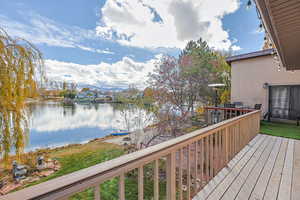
column 294, row 102
column 284, row 102
column 279, row 101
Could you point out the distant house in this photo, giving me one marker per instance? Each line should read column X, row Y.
column 86, row 95
column 256, row 79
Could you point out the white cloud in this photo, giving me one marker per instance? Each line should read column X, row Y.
column 235, row 48
column 115, row 75
column 166, row 23
column 42, row 30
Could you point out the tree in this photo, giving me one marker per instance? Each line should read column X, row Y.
column 85, row 89
column 202, row 66
column 199, row 65
column 170, row 95
column 181, row 83
column 20, row 65
column 148, row 92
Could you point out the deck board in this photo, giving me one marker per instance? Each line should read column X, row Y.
column 253, row 177
column 274, row 182
column 261, row 185
column 224, row 185
column 268, row 168
column 296, row 172
column 225, row 171
column 287, row 173
column 262, row 152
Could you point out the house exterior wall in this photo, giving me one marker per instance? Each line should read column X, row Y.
column 249, row 76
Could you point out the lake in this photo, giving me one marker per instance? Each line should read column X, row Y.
column 54, row 125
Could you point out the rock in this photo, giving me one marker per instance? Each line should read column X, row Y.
column 46, row 173
column 1, row 184
column 56, row 168
column 33, row 179
column 9, row 187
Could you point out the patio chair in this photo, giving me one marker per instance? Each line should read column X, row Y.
column 257, row 106
column 227, row 114
column 229, row 105
column 238, row 104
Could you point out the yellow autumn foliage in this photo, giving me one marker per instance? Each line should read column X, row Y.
column 20, row 64
column 225, row 97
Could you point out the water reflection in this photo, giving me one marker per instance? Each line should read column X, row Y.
column 55, row 125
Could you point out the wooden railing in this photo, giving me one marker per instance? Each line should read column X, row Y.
column 190, row 162
column 217, row 114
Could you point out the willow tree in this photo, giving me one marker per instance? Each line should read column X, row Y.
column 20, row 65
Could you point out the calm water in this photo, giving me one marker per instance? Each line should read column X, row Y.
column 53, row 125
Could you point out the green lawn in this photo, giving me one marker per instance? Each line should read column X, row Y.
column 280, row 129
column 77, row 157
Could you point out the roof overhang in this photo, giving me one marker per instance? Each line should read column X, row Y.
column 266, row 52
column 281, row 19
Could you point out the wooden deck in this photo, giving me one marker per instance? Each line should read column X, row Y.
column 267, row 168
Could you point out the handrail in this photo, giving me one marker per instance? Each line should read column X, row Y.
column 204, row 141
column 232, row 109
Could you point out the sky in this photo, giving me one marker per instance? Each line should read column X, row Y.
column 111, row 44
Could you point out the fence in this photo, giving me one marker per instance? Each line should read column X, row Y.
column 185, row 164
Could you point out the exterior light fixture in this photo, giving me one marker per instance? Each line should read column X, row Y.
column 216, row 113
column 215, row 87
column 265, row 85
column 249, row 4
column 260, row 28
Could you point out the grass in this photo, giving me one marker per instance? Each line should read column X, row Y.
column 280, row 129
column 76, row 157
column 109, row 189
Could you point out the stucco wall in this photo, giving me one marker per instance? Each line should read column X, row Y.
column 249, row 76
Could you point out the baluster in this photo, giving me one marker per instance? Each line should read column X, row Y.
column 141, row 183
column 171, row 176
column 223, row 148
column 217, row 152
column 226, row 146
column 196, row 165
column 211, row 147
column 97, row 195
column 156, row 180
column 234, row 140
column 180, row 173
column 201, row 162
column 122, row 187
column 188, row 172
column 207, row 159
column 240, row 136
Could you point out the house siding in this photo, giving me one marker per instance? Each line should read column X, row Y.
column 249, row 76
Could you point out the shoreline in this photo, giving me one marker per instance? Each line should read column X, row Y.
column 58, row 147
column 68, row 159
column 61, row 147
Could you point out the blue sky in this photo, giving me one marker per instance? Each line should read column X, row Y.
column 113, row 43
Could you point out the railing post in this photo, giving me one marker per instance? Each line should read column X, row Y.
column 171, row 176
column 258, row 122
